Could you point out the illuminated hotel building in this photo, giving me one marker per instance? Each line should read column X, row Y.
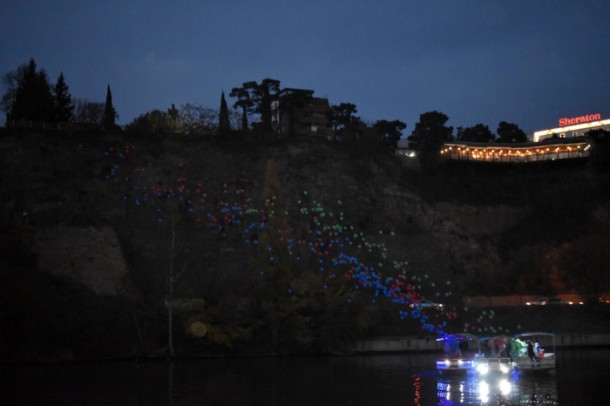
column 564, row 142
column 573, row 127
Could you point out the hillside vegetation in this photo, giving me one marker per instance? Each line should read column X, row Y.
column 275, row 247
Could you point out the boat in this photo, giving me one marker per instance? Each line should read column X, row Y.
column 459, row 356
column 502, row 354
column 494, row 355
column 545, row 357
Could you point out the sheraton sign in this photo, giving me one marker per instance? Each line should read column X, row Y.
column 564, row 121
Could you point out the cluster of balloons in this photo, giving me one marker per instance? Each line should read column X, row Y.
column 343, row 253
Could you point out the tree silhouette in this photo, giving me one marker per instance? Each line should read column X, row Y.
column 600, row 148
column 224, row 125
column 429, row 135
column 262, row 94
column 390, row 132
column 173, row 118
column 32, row 96
column 509, row 132
column 154, row 124
column 346, row 125
column 343, row 116
column 255, row 98
column 64, row 108
column 244, row 102
column 478, row 133
column 88, row 112
column 196, row 119
column 10, row 81
column 110, row 114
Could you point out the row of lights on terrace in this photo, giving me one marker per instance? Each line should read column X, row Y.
column 476, row 153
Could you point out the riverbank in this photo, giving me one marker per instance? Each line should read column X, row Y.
column 417, row 344
column 377, row 345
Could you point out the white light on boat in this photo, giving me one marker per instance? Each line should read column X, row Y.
column 443, row 363
column 504, row 369
column 505, row 387
column 484, row 391
column 460, row 362
column 482, row 369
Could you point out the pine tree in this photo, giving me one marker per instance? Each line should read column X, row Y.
column 262, row 96
column 110, row 115
column 244, row 102
column 64, row 108
column 224, row 125
column 33, row 99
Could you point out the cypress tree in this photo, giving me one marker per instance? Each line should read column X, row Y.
column 272, row 258
column 224, row 125
column 110, row 115
column 174, row 119
column 64, row 108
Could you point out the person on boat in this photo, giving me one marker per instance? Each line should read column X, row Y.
column 497, row 345
column 463, row 347
column 531, row 354
column 492, row 348
column 452, row 346
column 518, row 349
column 509, row 348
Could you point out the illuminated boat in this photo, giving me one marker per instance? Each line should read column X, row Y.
column 494, row 355
column 545, row 357
column 455, row 345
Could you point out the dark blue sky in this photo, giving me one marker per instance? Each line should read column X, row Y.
column 529, row 62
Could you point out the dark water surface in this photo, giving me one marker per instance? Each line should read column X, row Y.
column 583, row 378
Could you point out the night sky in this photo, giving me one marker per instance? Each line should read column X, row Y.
column 522, row 61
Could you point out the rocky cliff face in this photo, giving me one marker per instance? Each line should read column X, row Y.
column 62, row 181
column 92, row 257
column 110, row 217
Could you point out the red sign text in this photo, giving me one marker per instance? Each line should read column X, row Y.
column 579, row 120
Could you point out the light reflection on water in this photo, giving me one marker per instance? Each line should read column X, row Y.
column 389, row 379
column 511, row 389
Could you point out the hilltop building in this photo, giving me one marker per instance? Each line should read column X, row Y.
column 573, row 127
column 566, row 142
column 297, row 112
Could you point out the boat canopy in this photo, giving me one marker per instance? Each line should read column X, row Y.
column 487, row 338
column 534, row 333
column 458, row 336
